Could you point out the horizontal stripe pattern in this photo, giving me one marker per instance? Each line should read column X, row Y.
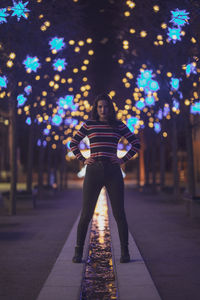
column 104, row 140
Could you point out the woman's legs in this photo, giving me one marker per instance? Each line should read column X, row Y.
column 115, row 188
column 93, row 183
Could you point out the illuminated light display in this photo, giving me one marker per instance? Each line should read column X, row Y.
column 46, row 131
column 69, row 121
column 31, row 64
column 174, row 34
column 28, row 89
column 21, row 100
column 175, row 83
column 67, row 102
column 140, row 105
column 56, row 120
column 179, row 17
column 3, row 81
column 57, row 43
column 190, row 69
column 176, row 104
column 28, row 121
column 150, row 100
column 157, row 127
column 153, row 85
column 195, row 108
column 131, row 122
column 19, row 9
column 59, row 64
column 3, row 15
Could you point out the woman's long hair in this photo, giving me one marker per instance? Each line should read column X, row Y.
column 112, row 118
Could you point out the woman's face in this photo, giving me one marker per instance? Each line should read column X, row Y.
column 102, row 109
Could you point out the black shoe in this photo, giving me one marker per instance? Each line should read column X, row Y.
column 125, row 256
column 78, row 254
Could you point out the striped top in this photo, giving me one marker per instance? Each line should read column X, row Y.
column 104, row 140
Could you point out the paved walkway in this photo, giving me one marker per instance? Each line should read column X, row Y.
column 166, row 244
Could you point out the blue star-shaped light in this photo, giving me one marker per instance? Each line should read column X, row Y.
column 3, row 15
column 57, row 43
column 21, row 100
column 140, row 105
column 153, row 85
column 150, row 100
column 147, row 74
column 176, row 104
column 56, row 120
column 19, row 9
column 67, row 102
column 28, row 89
column 59, row 64
column 175, row 83
column 131, row 122
column 3, row 81
column 174, row 34
column 157, row 127
column 31, row 64
column 28, row 121
column 179, row 17
column 190, row 68
column 195, row 109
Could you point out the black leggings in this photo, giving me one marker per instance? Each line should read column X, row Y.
column 99, row 174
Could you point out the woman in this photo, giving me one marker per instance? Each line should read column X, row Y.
column 103, row 169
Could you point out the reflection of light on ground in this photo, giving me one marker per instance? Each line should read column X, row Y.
column 99, row 278
column 100, row 214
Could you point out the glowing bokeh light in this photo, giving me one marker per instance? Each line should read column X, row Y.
column 21, row 100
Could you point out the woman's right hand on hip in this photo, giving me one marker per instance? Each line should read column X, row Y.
column 89, row 161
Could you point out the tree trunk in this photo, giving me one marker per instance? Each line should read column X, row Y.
column 13, row 156
column 30, row 159
column 153, row 163
column 175, row 159
column 190, row 160
column 40, row 171
column 162, row 164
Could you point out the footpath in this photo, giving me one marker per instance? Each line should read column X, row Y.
column 164, row 246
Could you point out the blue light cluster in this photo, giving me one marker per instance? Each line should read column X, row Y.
column 3, row 15
column 179, row 17
column 28, row 89
column 41, row 143
column 66, row 102
column 190, row 69
column 175, row 83
column 145, row 81
column 195, row 108
column 21, row 100
column 57, row 120
column 176, row 104
column 140, row 105
column 3, row 81
column 174, row 34
column 28, row 121
column 150, row 100
column 46, row 131
column 31, row 64
column 157, row 127
column 57, row 44
column 59, row 64
column 70, row 121
column 19, row 9
column 131, row 122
